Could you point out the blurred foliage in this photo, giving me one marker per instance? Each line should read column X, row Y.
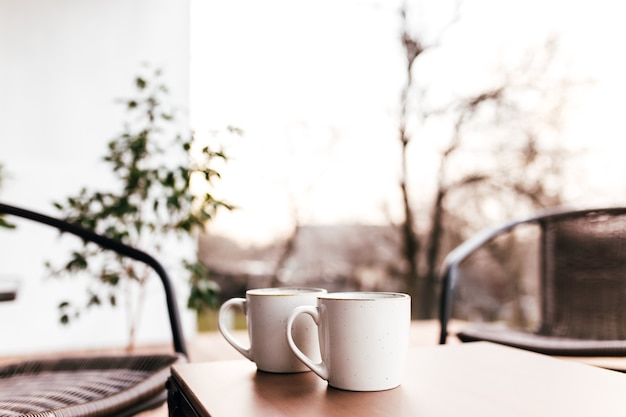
column 151, row 199
column 207, row 320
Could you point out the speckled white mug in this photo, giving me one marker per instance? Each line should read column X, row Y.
column 266, row 311
column 364, row 338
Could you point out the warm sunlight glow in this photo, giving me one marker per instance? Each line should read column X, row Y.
column 315, row 87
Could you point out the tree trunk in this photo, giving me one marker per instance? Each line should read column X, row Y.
column 411, row 247
column 430, row 284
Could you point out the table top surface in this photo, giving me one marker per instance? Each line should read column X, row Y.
column 473, row 378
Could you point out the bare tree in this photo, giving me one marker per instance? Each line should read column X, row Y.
column 499, row 154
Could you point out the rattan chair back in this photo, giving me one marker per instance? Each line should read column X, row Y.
column 575, row 263
column 584, row 276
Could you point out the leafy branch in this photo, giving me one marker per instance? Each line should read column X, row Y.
column 152, row 199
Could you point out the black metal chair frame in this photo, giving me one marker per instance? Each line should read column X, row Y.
column 146, row 375
column 543, row 343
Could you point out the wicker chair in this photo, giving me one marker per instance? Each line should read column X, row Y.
column 107, row 385
column 568, row 266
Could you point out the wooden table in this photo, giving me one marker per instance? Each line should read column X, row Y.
column 473, row 379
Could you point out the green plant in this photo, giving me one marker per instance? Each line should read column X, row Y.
column 152, row 201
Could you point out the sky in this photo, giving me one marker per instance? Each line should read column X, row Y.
column 315, row 88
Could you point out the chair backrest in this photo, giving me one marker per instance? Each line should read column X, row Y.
column 122, row 249
column 584, row 274
column 577, row 271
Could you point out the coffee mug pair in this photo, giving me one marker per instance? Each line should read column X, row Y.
column 360, row 343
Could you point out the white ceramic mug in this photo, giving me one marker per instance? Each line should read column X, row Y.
column 266, row 311
column 364, row 338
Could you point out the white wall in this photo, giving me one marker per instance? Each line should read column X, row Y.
column 63, row 63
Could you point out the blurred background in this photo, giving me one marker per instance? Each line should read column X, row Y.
column 376, row 135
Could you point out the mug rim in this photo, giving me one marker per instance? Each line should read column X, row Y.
column 285, row 291
column 364, row 296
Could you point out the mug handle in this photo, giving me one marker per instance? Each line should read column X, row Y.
column 225, row 331
column 319, row 368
